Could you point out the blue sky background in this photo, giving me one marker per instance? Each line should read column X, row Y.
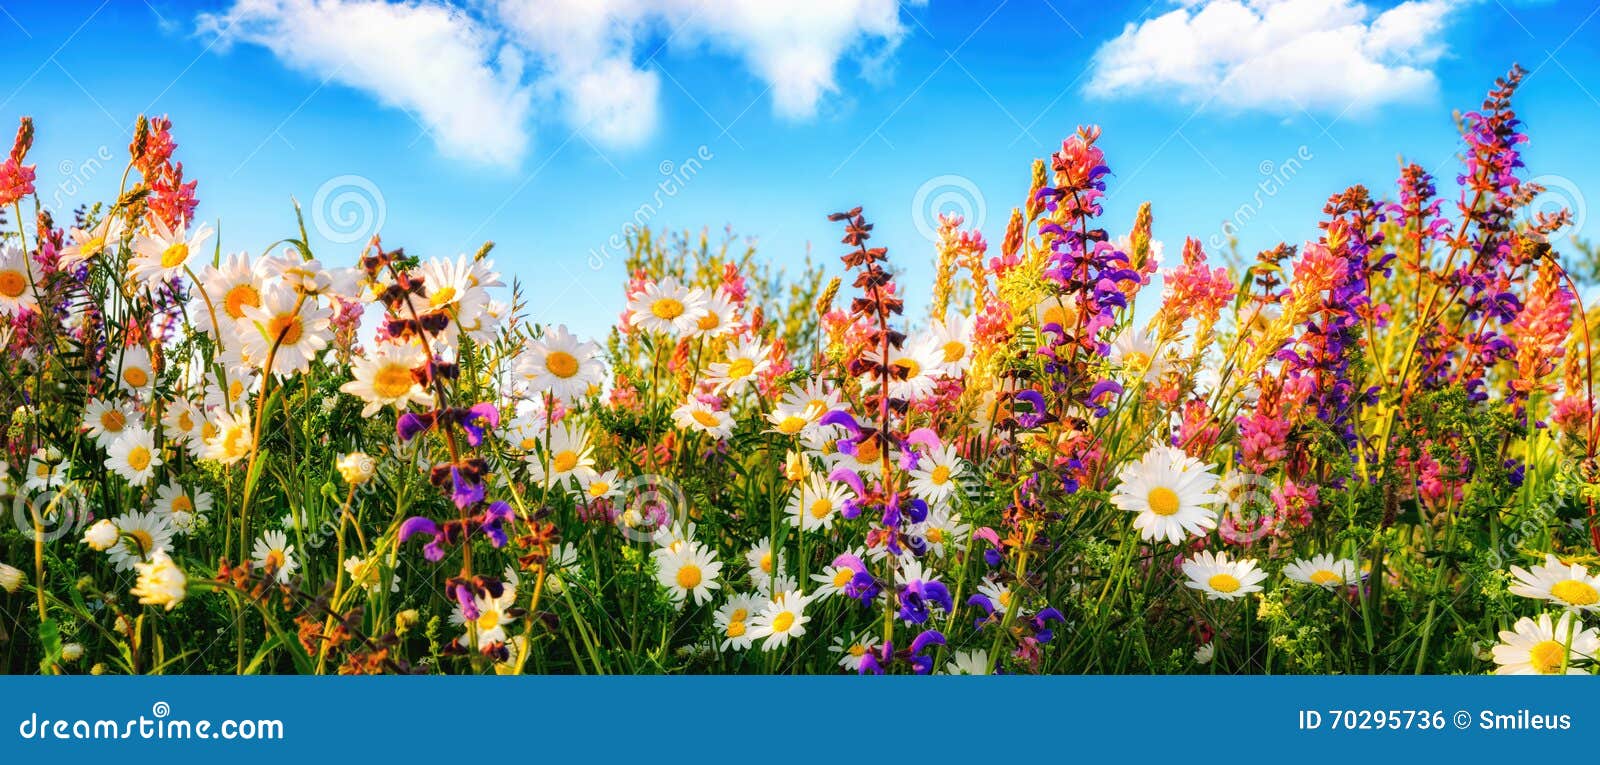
column 971, row 91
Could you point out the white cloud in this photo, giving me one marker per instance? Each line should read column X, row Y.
column 1279, row 56
column 431, row 60
column 462, row 72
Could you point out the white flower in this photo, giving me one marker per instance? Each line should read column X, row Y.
column 181, row 507
column 105, row 420
column 667, row 306
column 274, row 555
column 569, row 456
column 853, row 651
column 356, row 468
column 732, row 620
column 913, row 369
column 160, row 583
column 140, row 537
column 716, row 318
column 1324, row 571
column 691, row 569
column 230, row 438
column 101, row 535
column 1170, row 491
column 934, row 478
column 1135, row 353
column 969, row 663
column 1220, row 578
column 134, row 371
column 384, row 378
column 286, row 329
column 1569, row 586
column 941, row 529
column 227, row 292
column 560, row 364
column 164, row 253
column 133, row 455
column 745, row 361
column 47, row 469
column 1544, row 647
column 16, row 281
column 90, row 243
column 699, row 416
column 953, row 340
column 782, row 618
column 817, row 502
column 1205, row 653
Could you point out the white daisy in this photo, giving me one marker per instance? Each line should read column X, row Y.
column 1134, row 352
column 227, row 437
column 180, row 421
column 1324, row 571
column 160, row 582
column 105, row 420
column 570, row 456
column 385, row 378
column 853, row 651
column 732, row 620
column 691, row 569
column 133, row 455
column 163, row 253
column 1170, row 491
column 745, row 360
column 969, row 663
column 490, row 623
column 942, row 530
column 47, row 469
column 285, row 328
column 134, row 370
column 953, row 339
column 781, row 619
column 595, row 486
column 273, row 554
column 915, row 367
column 1545, row 647
column 139, row 537
column 817, row 502
column 1220, row 578
column 717, row 317
column 90, row 243
column 181, row 507
column 229, row 290
column 16, row 281
column 1569, row 586
column 697, row 415
column 934, row 478
column 560, row 364
column 667, row 307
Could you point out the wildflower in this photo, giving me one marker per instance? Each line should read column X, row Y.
column 47, row 469
column 388, row 377
column 181, row 507
column 231, row 439
column 953, row 339
column 487, row 616
column 699, row 416
column 666, row 307
column 570, row 456
column 229, row 290
column 781, row 619
column 745, row 361
column 732, row 620
column 88, row 244
column 934, row 479
column 1170, row 491
column 942, row 530
column 969, row 663
column 1135, row 353
column 913, row 368
column 367, row 573
column 71, row 652
column 140, row 536
column 133, row 455
column 101, row 535
column 854, row 650
column 1220, row 578
column 274, row 555
column 11, row 578
column 1544, row 647
column 356, row 468
column 1324, row 571
column 560, row 365
column 160, row 582
column 135, row 372
column 164, row 252
column 1571, row 586
column 690, row 569
column 106, row 420
column 284, row 330
column 816, row 503
column 491, row 523
column 1205, row 653
column 717, row 318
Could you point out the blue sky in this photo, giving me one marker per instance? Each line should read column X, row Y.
column 481, row 123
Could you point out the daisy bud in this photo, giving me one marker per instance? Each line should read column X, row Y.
column 11, row 578
column 161, row 582
column 97, row 669
column 796, row 467
column 72, row 652
column 102, row 535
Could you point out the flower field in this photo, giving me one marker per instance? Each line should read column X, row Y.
column 1374, row 452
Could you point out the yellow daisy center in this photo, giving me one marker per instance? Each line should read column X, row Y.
column 393, row 381
column 599, row 488
column 1223, row 582
column 858, row 650
column 138, row 458
column 143, row 539
column 12, row 283
column 565, row 461
column 1135, row 360
column 935, row 535
column 843, row 576
column 1547, row 657
column 911, row 366
column 954, row 350
column 766, row 562
column 867, row 452
column 488, row 620
column 667, row 309
column 238, row 297
column 561, row 364
column 175, row 255
column 740, row 368
column 940, row 475
column 185, row 421
column 135, row 377
column 112, row 421
column 1324, row 576
column 782, row 622
column 1575, row 592
column 285, row 330
column 791, row 425
column 709, row 321
column 821, row 508
column 182, row 504
column 443, row 296
column 689, row 576
column 705, row 418
column 1163, row 501
column 735, row 628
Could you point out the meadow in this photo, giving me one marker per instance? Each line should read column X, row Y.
column 1374, row 452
